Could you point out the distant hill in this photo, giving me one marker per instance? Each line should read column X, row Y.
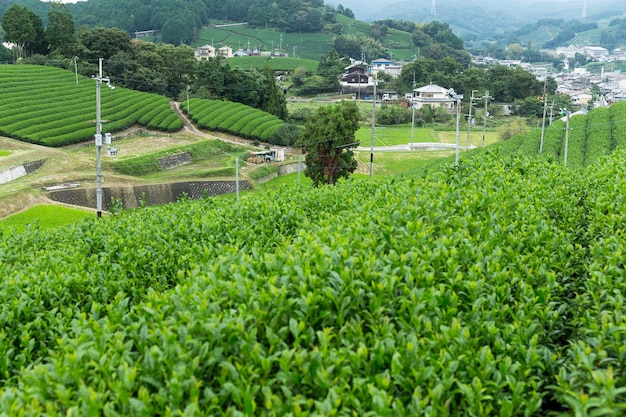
column 484, row 17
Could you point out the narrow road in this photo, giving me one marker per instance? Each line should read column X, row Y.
column 191, row 128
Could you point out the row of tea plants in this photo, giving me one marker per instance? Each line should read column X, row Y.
column 490, row 288
column 47, row 106
column 590, row 138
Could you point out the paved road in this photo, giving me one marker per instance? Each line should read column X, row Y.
column 415, row 146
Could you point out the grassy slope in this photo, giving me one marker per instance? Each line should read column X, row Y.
column 307, row 45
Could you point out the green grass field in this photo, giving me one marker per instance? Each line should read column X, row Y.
column 44, row 216
column 4, row 153
column 300, row 45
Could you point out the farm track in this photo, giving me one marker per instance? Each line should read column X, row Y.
column 191, row 128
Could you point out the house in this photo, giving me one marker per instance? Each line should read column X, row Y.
column 581, row 98
column 386, row 66
column 595, row 51
column 205, row 52
column 432, row 95
column 225, row 51
column 354, row 80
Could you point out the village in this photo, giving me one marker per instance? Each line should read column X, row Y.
column 359, row 78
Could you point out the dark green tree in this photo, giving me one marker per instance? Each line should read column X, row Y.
column 273, row 100
column 61, row 31
column 211, row 77
column 25, row 29
column 328, row 139
column 103, row 42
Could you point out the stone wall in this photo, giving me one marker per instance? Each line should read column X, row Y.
column 174, row 161
column 132, row 197
column 14, row 173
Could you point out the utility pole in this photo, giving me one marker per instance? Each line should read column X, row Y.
column 486, row 97
column 543, row 122
column 373, row 130
column 98, row 138
column 76, row 69
column 188, row 108
column 567, row 113
column 237, row 178
column 551, row 111
column 412, row 112
column 458, row 98
column 469, row 120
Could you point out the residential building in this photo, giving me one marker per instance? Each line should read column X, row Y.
column 595, row 51
column 432, row 95
column 385, row 65
column 205, row 52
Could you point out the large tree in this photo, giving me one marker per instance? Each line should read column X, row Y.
column 328, row 140
column 25, row 29
column 60, row 31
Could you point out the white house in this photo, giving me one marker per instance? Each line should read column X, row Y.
column 205, row 52
column 595, row 51
column 581, row 98
column 432, row 95
column 225, row 51
column 385, row 65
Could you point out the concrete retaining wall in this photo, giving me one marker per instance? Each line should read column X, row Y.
column 283, row 170
column 174, row 161
column 14, row 173
column 132, row 197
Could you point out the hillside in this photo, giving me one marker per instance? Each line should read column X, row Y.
column 591, row 137
column 55, row 107
column 495, row 286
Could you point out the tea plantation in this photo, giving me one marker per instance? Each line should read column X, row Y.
column 491, row 288
column 47, row 106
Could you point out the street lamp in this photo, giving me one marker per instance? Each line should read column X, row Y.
column 98, row 138
column 458, row 98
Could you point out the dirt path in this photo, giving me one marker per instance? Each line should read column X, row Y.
column 191, row 128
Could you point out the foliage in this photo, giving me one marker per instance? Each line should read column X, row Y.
column 60, row 32
column 285, row 135
column 489, row 288
column 327, row 140
column 393, row 115
column 508, row 84
column 24, row 28
column 234, row 118
column 43, row 216
column 149, row 163
column 44, row 105
column 216, row 79
column 590, row 138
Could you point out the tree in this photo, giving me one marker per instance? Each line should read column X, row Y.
column 103, row 42
column 25, row 29
column 60, row 31
column 327, row 139
column 273, row 100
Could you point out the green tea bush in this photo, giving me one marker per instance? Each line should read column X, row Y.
column 489, row 288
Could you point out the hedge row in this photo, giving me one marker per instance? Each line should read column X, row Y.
column 233, row 118
column 44, row 105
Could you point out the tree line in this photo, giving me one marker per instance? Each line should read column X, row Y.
column 179, row 20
